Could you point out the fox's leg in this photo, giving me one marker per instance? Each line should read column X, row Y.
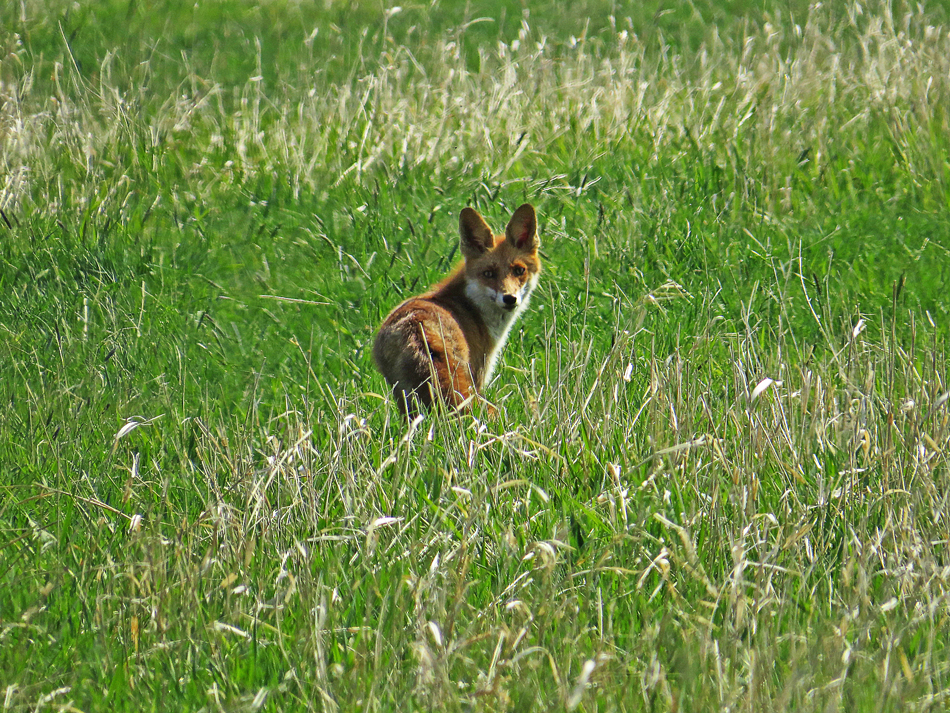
column 414, row 387
column 451, row 362
column 453, row 378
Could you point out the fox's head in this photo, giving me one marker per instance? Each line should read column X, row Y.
column 500, row 271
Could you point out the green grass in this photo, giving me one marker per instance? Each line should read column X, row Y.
column 206, row 212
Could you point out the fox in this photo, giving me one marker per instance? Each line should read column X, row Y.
column 444, row 344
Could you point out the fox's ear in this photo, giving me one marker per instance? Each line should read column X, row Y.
column 522, row 230
column 476, row 236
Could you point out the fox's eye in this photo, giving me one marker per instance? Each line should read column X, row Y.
column 517, row 270
column 489, row 274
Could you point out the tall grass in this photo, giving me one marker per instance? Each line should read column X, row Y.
column 719, row 479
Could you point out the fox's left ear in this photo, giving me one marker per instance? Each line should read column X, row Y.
column 522, row 230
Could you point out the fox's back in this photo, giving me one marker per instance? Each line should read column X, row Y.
column 440, row 325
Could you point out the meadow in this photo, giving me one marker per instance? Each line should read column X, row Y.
column 719, row 478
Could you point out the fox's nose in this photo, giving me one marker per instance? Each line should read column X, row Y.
column 510, row 301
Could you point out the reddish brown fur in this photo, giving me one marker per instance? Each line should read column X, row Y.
column 441, row 344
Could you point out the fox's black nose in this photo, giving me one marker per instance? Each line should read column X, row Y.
column 510, row 301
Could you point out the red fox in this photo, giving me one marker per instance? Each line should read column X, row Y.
column 444, row 343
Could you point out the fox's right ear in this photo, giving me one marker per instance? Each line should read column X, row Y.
column 476, row 236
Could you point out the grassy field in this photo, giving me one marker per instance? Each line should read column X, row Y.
column 719, row 480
